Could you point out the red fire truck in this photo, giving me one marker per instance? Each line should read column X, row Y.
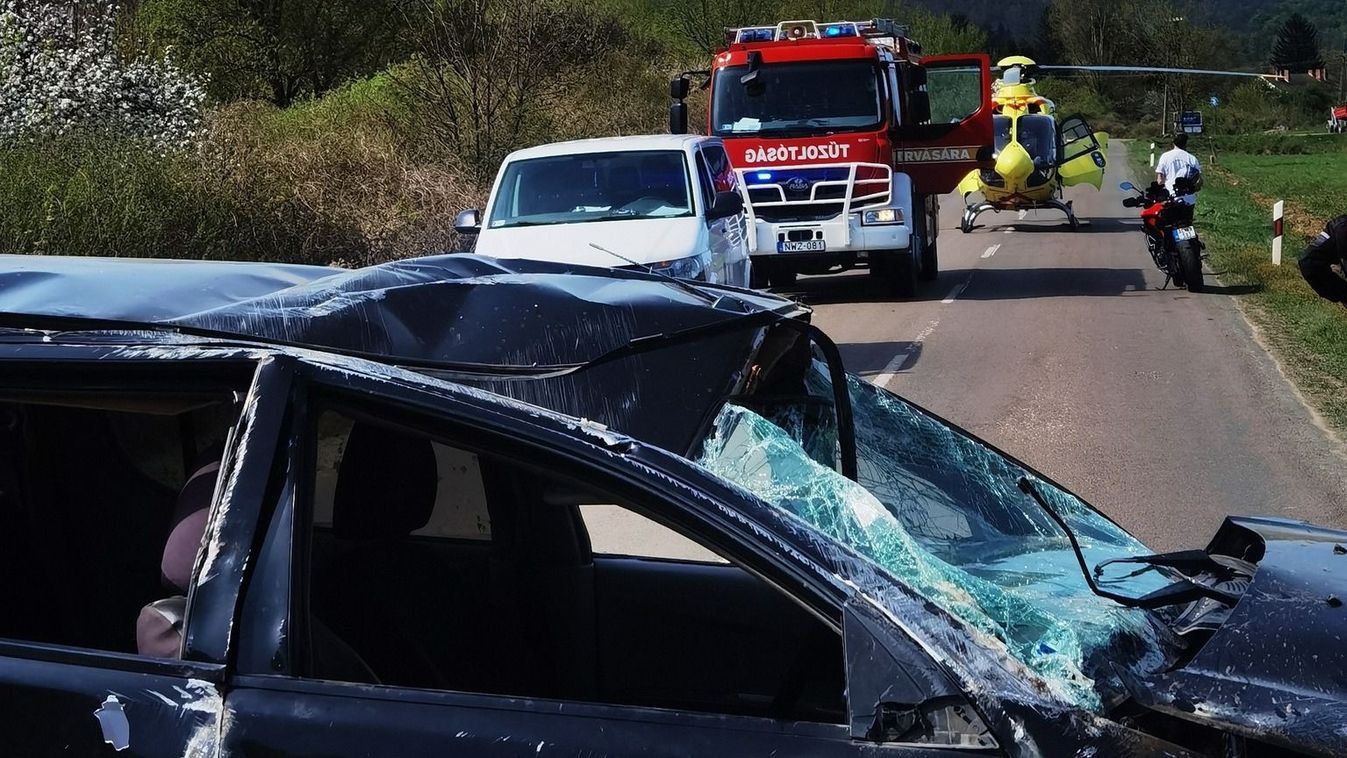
column 842, row 137
column 1337, row 119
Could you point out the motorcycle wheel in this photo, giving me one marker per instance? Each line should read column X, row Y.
column 1190, row 265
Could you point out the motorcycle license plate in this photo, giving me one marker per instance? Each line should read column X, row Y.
column 806, row 246
column 1185, row 233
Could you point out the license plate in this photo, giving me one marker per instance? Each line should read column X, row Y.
column 1185, row 233
column 808, row 246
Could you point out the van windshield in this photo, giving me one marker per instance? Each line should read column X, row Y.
column 568, row 189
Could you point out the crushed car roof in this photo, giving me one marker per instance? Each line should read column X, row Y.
column 637, row 352
column 455, row 310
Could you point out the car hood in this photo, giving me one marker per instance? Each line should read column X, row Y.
column 643, row 241
column 1276, row 669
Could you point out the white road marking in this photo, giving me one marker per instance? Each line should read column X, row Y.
column 991, row 251
column 1023, row 213
column 1008, row 230
column 891, row 370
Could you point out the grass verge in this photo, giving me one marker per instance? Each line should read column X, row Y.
column 1307, row 334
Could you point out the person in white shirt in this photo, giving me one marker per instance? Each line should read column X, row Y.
column 1177, row 163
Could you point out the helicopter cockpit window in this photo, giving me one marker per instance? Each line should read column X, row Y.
column 1001, row 128
column 1038, row 136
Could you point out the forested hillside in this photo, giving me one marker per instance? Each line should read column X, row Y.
column 353, row 130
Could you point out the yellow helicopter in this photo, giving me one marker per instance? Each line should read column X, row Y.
column 1036, row 158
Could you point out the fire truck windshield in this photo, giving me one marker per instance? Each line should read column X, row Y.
column 798, row 98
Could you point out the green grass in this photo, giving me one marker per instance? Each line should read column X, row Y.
column 1307, row 334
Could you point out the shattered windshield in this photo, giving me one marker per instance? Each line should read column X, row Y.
column 568, row 189
column 942, row 513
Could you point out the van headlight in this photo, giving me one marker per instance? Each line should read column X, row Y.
column 681, row 268
column 882, row 216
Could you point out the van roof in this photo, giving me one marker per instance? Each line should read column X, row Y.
column 612, row 144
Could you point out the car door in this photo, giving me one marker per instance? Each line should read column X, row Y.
column 1083, row 153
column 946, row 128
column 91, row 453
column 483, row 547
column 733, row 231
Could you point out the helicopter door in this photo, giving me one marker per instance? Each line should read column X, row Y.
column 946, row 128
column 1083, row 153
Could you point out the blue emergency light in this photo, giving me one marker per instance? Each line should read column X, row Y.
column 840, row 30
column 763, row 176
column 757, row 34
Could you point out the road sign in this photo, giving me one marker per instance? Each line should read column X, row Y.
column 1191, row 122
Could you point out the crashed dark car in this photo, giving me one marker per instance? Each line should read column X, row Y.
column 255, row 509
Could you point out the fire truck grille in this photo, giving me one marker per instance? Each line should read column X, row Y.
column 801, row 212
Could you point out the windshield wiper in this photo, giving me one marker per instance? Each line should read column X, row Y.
column 1181, row 591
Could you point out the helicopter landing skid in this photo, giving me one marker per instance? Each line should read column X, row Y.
column 971, row 213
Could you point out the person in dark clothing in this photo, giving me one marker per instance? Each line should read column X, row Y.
column 1316, row 263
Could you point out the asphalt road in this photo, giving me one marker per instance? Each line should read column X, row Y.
column 1157, row 406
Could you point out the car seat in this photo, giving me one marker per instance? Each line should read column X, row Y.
column 379, row 590
column 160, row 624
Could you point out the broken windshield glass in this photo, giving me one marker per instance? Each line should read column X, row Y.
column 942, row 513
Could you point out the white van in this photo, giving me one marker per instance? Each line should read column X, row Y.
column 670, row 203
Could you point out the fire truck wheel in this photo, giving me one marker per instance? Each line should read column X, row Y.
column 930, row 263
column 757, row 276
column 895, row 273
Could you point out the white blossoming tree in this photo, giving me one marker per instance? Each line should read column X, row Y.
column 62, row 75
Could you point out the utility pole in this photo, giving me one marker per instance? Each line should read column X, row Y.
column 1164, row 108
column 1342, row 76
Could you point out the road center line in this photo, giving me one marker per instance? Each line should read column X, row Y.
column 991, row 251
column 893, row 366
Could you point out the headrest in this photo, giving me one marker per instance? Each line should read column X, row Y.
column 189, row 520
column 386, row 484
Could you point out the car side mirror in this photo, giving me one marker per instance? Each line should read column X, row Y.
column 1127, row 186
column 679, row 86
column 882, row 696
column 468, row 221
column 895, row 691
column 726, row 204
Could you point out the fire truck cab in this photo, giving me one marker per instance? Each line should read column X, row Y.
column 843, row 136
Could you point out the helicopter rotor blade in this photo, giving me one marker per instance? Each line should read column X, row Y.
column 1164, row 70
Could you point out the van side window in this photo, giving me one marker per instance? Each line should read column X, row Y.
column 704, row 178
column 723, row 178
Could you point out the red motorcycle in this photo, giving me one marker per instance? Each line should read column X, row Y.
column 1167, row 222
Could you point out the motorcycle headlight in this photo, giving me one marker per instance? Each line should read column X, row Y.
column 882, row 216
column 681, row 268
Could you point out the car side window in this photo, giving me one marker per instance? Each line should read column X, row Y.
column 556, row 598
column 104, row 498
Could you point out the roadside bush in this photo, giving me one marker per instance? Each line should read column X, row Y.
column 338, row 180
column 106, row 197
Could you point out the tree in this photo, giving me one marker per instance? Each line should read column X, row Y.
column 61, row 75
column 701, row 24
column 484, row 72
column 1297, row 46
column 277, row 49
